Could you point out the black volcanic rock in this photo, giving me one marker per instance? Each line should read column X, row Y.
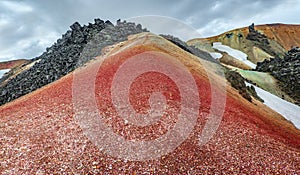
column 260, row 40
column 254, row 35
column 286, row 70
column 108, row 36
column 66, row 55
column 252, row 29
column 191, row 49
column 238, row 82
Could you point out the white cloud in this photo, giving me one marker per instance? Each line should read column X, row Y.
column 165, row 25
column 40, row 23
column 18, row 7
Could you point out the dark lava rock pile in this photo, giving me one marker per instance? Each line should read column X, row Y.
column 191, row 49
column 254, row 35
column 64, row 55
column 109, row 36
column 260, row 40
column 286, row 70
column 238, row 82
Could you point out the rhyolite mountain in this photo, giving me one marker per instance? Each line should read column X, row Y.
column 40, row 134
column 273, row 47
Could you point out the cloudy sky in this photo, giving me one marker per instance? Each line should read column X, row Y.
column 27, row 27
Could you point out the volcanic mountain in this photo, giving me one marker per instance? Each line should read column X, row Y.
column 58, row 126
column 263, row 42
column 244, row 49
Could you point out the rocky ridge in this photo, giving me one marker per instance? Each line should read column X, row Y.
column 238, row 82
column 286, row 70
column 191, row 49
column 233, row 77
column 64, row 55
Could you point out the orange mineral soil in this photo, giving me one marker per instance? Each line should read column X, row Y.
column 39, row 135
column 287, row 35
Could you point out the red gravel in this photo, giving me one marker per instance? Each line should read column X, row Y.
column 38, row 134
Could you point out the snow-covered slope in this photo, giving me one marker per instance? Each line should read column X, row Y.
column 3, row 71
column 215, row 55
column 288, row 110
column 234, row 53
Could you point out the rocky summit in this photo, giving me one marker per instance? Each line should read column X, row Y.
column 191, row 49
column 260, row 40
column 64, row 55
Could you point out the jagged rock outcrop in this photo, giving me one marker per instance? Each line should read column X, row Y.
column 254, row 35
column 64, row 55
column 286, row 70
column 109, row 36
column 238, row 82
column 260, row 40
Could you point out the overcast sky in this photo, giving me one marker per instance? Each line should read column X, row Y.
column 27, row 27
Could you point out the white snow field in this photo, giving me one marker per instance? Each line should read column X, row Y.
column 216, row 55
column 288, row 110
column 234, row 53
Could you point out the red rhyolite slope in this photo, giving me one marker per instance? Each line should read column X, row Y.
column 39, row 135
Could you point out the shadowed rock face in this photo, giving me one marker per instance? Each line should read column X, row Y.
column 286, row 70
column 63, row 56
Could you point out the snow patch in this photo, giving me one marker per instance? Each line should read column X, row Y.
column 216, row 55
column 234, row 53
column 288, row 110
column 3, row 71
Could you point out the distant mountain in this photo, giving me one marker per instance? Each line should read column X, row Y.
column 259, row 44
column 11, row 68
column 12, row 64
